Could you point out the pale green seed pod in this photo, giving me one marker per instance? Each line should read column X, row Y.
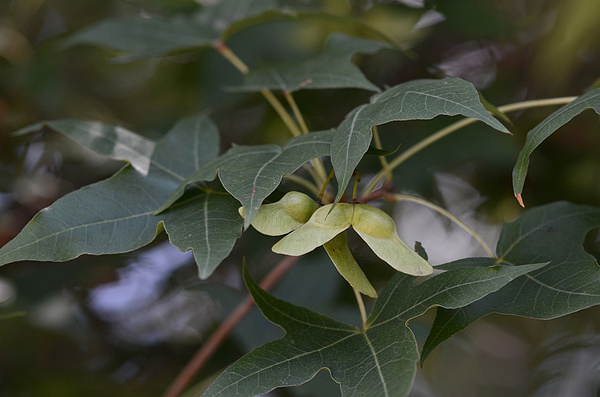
column 378, row 230
column 338, row 251
column 373, row 225
column 292, row 211
column 320, row 228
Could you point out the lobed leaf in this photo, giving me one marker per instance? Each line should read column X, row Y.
column 414, row 100
column 251, row 173
column 108, row 140
column 376, row 361
column 155, row 36
column 552, row 233
column 342, row 22
column 536, row 136
column 206, row 223
column 117, row 215
column 331, row 68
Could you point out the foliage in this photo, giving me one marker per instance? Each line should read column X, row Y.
column 205, row 199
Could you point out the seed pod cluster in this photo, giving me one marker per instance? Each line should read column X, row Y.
column 310, row 227
column 373, row 225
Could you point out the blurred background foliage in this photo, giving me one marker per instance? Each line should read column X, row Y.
column 125, row 325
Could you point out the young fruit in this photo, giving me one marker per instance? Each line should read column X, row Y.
column 338, row 251
column 373, row 225
column 292, row 211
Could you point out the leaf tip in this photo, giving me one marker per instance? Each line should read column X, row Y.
column 519, row 198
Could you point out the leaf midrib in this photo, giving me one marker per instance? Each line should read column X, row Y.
column 374, row 354
column 423, row 302
column 560, row 112
column 113, row 220
column 540, row 226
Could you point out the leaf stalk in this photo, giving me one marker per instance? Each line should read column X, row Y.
column 361, row 307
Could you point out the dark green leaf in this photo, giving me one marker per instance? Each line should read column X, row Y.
column 109, row 140
column 571, row 281
column 418, row 99
column 490, row 107
column 116, row 215
column 536, row 136
column 251, row 173
column 343, row 23
column 147, row 37
column 377, row 361
column 332, row 68
column 373, row 151
column 208, row 224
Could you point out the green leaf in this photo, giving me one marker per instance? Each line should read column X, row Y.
column 373, row 151
column 251, row 173
column 108, row 140
column 148, row 37
column 490, row 107
column 332, row 68
column 418, row 99
column 341, row 23
column 145, row 37
column 571, row 281
column 377, row 361
column 208, row 224
column 536, row 136
column 224, row 15
column 116, row 215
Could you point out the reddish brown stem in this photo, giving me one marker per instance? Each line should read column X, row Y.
column 379, row 193
column 218, row 336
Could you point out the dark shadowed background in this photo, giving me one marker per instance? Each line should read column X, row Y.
column 125, row 325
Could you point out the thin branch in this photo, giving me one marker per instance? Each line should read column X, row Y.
column 283, row 114
column 220, row 334
column 455, row 127
column 386, row 189
column 317, row 163
column 440, row 210
column 269, row 96
column 324, row 187
column 361, row 306
column 232, row 58
column 290, row 99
